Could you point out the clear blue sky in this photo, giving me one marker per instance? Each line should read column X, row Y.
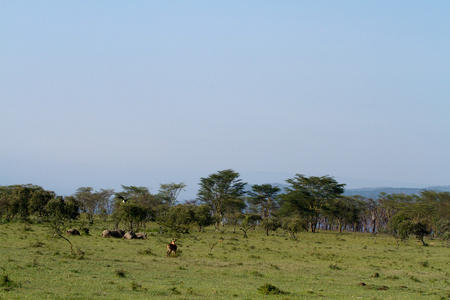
column 104, row 93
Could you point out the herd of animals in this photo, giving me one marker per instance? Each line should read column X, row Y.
column 171, row 248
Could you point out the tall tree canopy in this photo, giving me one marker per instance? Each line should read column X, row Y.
column 222, row 191
column 307, row 196
column 169, row 192
column 93, row 201
column 140, row 205
column 263, row 199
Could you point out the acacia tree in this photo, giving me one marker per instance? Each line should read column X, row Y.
column 435, row 207
column 337, row 210
column 93, row 201
column 443, row 230
column 141, row 196
column 169, row 192
column 270, row 223
column 415, row 216
column 203, row 216
column 222, row 190
column 309, row 195
column 59, row 212
column 134, row 205
column 263, row 199
column 85, row 195
column 294, row 224
column 345, row 210
column 133, row 214
column 179, row 218
column 374, row 212
column 389, row 205
column 402, row 226
column 105, row 201
column 249, row 221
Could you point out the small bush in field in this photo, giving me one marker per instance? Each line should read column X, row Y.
column 147, row 252
column 334, row 267
column 257, row 274
column 37, row 244
column 424, row 263
column 137, row 287
column 274, row 266
column 269, row 289
column 120, row 273
column 6, row 283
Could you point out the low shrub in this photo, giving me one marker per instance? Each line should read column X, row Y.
column 269, row 289
column 121, row 273
column 6, row 283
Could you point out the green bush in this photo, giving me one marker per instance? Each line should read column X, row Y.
column 269, row 289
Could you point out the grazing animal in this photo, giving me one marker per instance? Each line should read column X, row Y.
column 129, row 235
column 141, row 235
column 73, row 232
column 172, row 248
column 113, row 233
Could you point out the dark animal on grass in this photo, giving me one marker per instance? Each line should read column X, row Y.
column 113, row 233
column 172, row 248
column 129, row 235
column 73, row 232
column 141, row 235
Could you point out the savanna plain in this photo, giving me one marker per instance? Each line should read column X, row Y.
column 219, row 265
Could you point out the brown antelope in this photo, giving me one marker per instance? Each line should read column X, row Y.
column 172, row 248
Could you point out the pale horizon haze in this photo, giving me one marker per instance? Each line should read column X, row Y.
column 111, row 93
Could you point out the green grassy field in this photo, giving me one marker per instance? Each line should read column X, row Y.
column 219, row 265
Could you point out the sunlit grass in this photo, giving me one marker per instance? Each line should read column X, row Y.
column 220, row 265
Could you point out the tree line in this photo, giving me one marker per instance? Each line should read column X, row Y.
column 307, row 203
